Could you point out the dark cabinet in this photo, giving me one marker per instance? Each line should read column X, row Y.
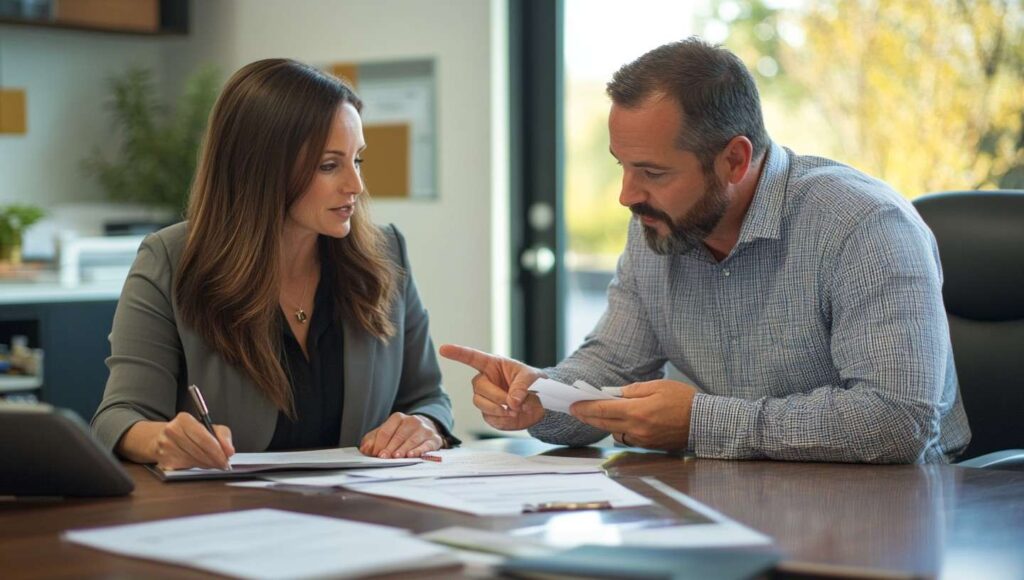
column 73, row 336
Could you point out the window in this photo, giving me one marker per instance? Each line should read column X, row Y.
column 923, row 95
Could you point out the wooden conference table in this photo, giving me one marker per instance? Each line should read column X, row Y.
column 860, row 520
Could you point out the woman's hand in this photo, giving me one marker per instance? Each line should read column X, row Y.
column 402, row 436
column 179, row 444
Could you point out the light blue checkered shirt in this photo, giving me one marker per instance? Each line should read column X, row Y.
column 820, row 337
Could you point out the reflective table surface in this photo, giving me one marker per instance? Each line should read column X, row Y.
column 835, row 519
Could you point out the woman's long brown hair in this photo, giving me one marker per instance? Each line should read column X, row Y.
column 265, row 138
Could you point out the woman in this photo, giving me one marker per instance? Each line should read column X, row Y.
column 295, row 315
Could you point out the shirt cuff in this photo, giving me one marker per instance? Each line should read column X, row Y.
column 723, row 427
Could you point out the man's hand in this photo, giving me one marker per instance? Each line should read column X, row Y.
column 500, row 388
column 655, row 414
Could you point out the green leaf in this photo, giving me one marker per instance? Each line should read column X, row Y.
column 159, row 145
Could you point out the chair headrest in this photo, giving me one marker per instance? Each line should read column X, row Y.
column 980, row 235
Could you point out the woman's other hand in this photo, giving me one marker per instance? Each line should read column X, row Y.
column 402, row 436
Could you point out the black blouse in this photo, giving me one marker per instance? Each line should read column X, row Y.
column 318, row 385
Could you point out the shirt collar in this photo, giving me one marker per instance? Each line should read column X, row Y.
column 764, row 216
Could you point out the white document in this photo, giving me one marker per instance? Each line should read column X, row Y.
column 558, row 396
column 505, row 495
column 462, row 462
column 348, row 455
column 244, row 464
column 268, row 543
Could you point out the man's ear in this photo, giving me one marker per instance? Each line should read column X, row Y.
column 736, row 158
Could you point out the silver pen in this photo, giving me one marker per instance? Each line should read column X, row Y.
column 204, row 412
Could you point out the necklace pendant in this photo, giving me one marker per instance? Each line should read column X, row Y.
column 300, row 315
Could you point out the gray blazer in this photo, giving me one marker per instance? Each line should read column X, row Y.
column 155, row 356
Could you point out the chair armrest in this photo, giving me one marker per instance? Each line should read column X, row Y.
column 997, row 460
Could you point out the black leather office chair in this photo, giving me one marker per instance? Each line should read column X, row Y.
column 981, row 244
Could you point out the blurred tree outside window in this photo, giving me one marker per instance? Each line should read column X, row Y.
column 925, row 95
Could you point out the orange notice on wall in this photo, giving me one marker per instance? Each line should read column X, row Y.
column 13, row 117
column 387, row 170
column 347, row 71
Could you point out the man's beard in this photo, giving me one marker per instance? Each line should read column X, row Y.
column 690, row 231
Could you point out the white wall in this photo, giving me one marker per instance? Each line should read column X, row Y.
column 64, row 73
column 450, row 238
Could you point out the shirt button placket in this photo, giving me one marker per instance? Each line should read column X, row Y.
column 733, row 334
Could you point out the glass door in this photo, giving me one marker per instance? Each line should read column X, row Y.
column 600, row 36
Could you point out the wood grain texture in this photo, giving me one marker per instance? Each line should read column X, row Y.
column 891, row 521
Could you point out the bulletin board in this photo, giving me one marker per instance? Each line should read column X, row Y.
column 399, row 124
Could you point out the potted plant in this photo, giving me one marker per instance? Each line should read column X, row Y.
column 159, row 145
column 14, row 220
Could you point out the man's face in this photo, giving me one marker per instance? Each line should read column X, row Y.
column 677, row 203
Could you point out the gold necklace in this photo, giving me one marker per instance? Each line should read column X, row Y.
column 300, row 314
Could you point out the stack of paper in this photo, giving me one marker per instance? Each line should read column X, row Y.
column 267, row 543
column 484, row 483
column 245, row 464
column 454, row 463
column 506, row 495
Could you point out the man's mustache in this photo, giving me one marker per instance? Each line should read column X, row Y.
column 642, row 209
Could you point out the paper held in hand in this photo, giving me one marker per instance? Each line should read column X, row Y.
column 556, row 396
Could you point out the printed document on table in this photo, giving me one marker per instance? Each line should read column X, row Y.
column 505, row 495
column 245, row 464
column 461, row 462
column 695, row 526
column 268, row 543
column 558, row 396
column 351, row 456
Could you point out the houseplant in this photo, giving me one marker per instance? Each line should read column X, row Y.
column 159, row 144
column 14, row 220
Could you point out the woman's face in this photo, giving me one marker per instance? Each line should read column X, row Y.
column 327, row 205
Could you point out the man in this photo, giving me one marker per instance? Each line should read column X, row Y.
column 801, row 296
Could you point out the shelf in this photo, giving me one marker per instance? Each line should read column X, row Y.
column 14, row 384
column 173, row 22
column 64, row 26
